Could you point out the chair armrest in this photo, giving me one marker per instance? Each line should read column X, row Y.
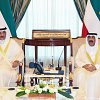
column 71, row 67
column 71, row 63
column 19, row 79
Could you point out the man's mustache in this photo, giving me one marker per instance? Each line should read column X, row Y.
column 90, row 40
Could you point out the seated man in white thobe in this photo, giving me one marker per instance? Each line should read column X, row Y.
column 11, row 54
column 87, row 75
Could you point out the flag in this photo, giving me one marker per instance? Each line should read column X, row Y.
column 91, row 21
column 6, row 17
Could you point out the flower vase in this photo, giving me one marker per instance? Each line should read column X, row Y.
column 50, row 96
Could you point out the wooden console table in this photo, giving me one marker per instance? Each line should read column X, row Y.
column 63, row 41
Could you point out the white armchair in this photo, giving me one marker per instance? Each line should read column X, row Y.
column 76, row 43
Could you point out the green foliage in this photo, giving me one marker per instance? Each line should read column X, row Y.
column 42, row 85
column 64, row 93
column 20, row 93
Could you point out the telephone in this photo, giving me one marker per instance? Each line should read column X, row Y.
column 37, row 66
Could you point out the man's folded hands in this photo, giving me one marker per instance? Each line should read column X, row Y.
column 15, row 63
column 89, row 67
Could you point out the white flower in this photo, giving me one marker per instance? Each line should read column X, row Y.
column 27, row 91
column 19, row 90
column 51, row 90
column 45, row 88
column 43, row 82
column 35, row 89
column 55, row 90
column 40, row 90
column 37, row 86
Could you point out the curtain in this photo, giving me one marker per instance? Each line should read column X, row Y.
column 81, row 5
column 18, row 8
column 49, row 14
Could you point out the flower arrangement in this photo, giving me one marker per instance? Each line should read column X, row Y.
column 41, row 88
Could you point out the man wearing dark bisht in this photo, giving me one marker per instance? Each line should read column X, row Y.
column 11, row 55
column 87, row 74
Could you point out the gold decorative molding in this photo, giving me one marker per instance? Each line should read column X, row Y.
column 50, row 34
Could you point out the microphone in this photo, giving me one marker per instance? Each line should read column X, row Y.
column 59, row 68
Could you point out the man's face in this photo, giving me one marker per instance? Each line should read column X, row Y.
column 91, row 40
column 2, row 35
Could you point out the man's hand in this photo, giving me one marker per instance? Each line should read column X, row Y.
column 15, row 64
column 89, row 67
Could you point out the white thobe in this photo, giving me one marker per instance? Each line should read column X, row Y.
column 8, row 74
column 87, row 81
